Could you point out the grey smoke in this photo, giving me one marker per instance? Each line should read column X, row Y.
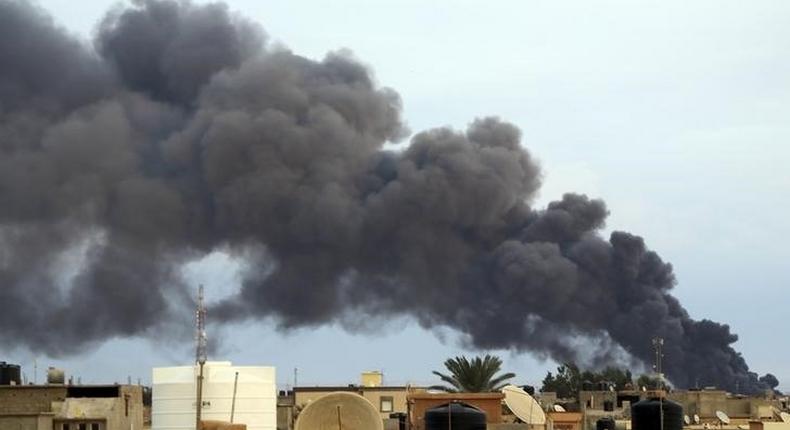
column 179, row 132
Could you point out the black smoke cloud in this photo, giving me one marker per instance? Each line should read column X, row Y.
column 179, row 132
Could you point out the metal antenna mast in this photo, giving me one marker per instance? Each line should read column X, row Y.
column 658, row 344
column 200, row 351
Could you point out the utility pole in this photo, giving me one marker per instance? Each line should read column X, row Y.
column 200, row 352
column 296, row 375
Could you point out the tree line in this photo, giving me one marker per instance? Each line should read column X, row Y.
column 569, row 380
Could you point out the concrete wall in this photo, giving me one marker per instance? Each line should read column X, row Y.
column 29, row 399
column 564, row 420
column 285, row 417
column 29, row 422
column 48, row 404
column 398, row 400
column 757, row 425
column 509, row 427
column 124, row 412
column 597, row 399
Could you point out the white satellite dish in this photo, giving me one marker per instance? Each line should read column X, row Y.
column 523, row 405
column 722, row 417
column 559, row 408
column 784, row 416
column 696, row 419
column 346, row 411
column 686, row 419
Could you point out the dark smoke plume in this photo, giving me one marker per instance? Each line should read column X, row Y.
column 179, row 132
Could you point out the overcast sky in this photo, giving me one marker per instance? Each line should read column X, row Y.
column 673, row 112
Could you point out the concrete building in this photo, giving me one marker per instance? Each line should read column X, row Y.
column 387, row 399
column 490, row 403
column 706, row 402
column 71, row 407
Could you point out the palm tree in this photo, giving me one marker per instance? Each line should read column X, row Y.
column 475, row 376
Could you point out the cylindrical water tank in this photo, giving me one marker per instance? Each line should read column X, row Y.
column 647, row 415
column 606, row 423
column 10, row 374
column 56, row 376
column 455, row 416
column 174, row 396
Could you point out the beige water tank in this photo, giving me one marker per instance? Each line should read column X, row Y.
column 174, row 396
column 56, row 376
column 372, row 379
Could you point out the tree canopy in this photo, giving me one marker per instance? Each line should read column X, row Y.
column 480, row 374
column 569, row 379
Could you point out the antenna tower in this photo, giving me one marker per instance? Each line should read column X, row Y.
column 200, row 352
column 200, row 334
column 658, row 344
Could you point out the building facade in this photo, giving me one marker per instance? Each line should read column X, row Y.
column 71, row 407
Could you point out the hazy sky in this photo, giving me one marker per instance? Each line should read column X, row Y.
column 674, row 112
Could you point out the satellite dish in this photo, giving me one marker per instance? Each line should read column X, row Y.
column 722, row 417
column 346, row 411
column 523, row 405
column 696, row 419
column 559, row 408
column 784, row 416
column 686, row 419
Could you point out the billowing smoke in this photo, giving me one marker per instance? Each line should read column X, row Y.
column 179, row 132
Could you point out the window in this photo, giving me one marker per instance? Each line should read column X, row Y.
column 83, row 426
column 95, row 426
column 387, row 404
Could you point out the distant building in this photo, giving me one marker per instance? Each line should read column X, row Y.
column 71, row 407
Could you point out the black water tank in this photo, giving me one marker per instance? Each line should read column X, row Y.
column 455, row 416
column 606, row 423
column 10, row 374
column 646, row 415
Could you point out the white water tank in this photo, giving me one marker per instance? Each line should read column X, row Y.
column 174, row 396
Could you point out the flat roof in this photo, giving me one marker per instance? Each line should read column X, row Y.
column 354, row 388
column 458, row 396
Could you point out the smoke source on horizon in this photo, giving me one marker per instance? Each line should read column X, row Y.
column 180, row 132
